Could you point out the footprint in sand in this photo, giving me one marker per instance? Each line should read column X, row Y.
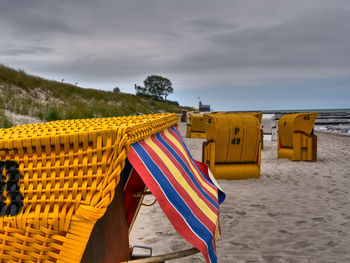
column 274, row 259
column 176, row 247
column 282, row 231
column 346, row 216
column 318, row 219
column 151, row 240
column 340, row 233
column 258, row 206
column 332, row 190
column 345, row 224
column 241, row 213
column 162, row 234
column 241, row 246
column 300, row 222
column 301, row 244
column 273, row 214
column 333, row 243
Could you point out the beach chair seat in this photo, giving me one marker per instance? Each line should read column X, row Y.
column 296, row 140
column 232, row 148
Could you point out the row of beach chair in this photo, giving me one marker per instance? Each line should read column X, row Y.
column 234, row 140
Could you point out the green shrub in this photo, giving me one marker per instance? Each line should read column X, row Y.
column 4, row 121
column 53, row 115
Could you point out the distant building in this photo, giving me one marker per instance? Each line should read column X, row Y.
column 204, row 108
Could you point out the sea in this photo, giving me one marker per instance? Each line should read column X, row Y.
column 328, row 120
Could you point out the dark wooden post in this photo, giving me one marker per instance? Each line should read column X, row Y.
column 109, row 240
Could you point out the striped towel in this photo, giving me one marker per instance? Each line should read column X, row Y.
column 185, row 194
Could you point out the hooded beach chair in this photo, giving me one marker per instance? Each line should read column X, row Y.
column 71, row 190
column 296, row 140
column 232, row 149
column 196, row 126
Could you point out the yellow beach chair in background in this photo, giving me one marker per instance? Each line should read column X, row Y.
column 296, row 140
column 232, row 149
column 196, row 126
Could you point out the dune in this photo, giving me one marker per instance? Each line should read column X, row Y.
column 296, row 211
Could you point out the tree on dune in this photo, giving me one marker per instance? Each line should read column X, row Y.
column 155, row 86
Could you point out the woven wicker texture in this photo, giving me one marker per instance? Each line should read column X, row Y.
column 57, row 180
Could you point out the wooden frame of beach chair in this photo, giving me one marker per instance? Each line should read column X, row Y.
column 296, row 140
column 109, row 240
column 165, row 257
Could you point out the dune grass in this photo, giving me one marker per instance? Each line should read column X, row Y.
column 49, row 100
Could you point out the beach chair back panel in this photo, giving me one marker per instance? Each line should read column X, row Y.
column 219, row 130
column 58, row 178
column 197, row 122
column 286, row 130
column 235, row 135
column 251, row 140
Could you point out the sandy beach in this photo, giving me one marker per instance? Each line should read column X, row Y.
column 295, row 212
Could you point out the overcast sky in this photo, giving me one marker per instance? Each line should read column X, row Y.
column 234, row 55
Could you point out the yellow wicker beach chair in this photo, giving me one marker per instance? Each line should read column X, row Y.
column 232, row 149
column 296, row 140
column 196, row 126
column 58, row 178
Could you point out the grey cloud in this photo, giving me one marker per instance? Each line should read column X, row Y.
column 198, row 43
column 211, row 25
column 17, row 51
column 307, row 42
column 34, row 18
